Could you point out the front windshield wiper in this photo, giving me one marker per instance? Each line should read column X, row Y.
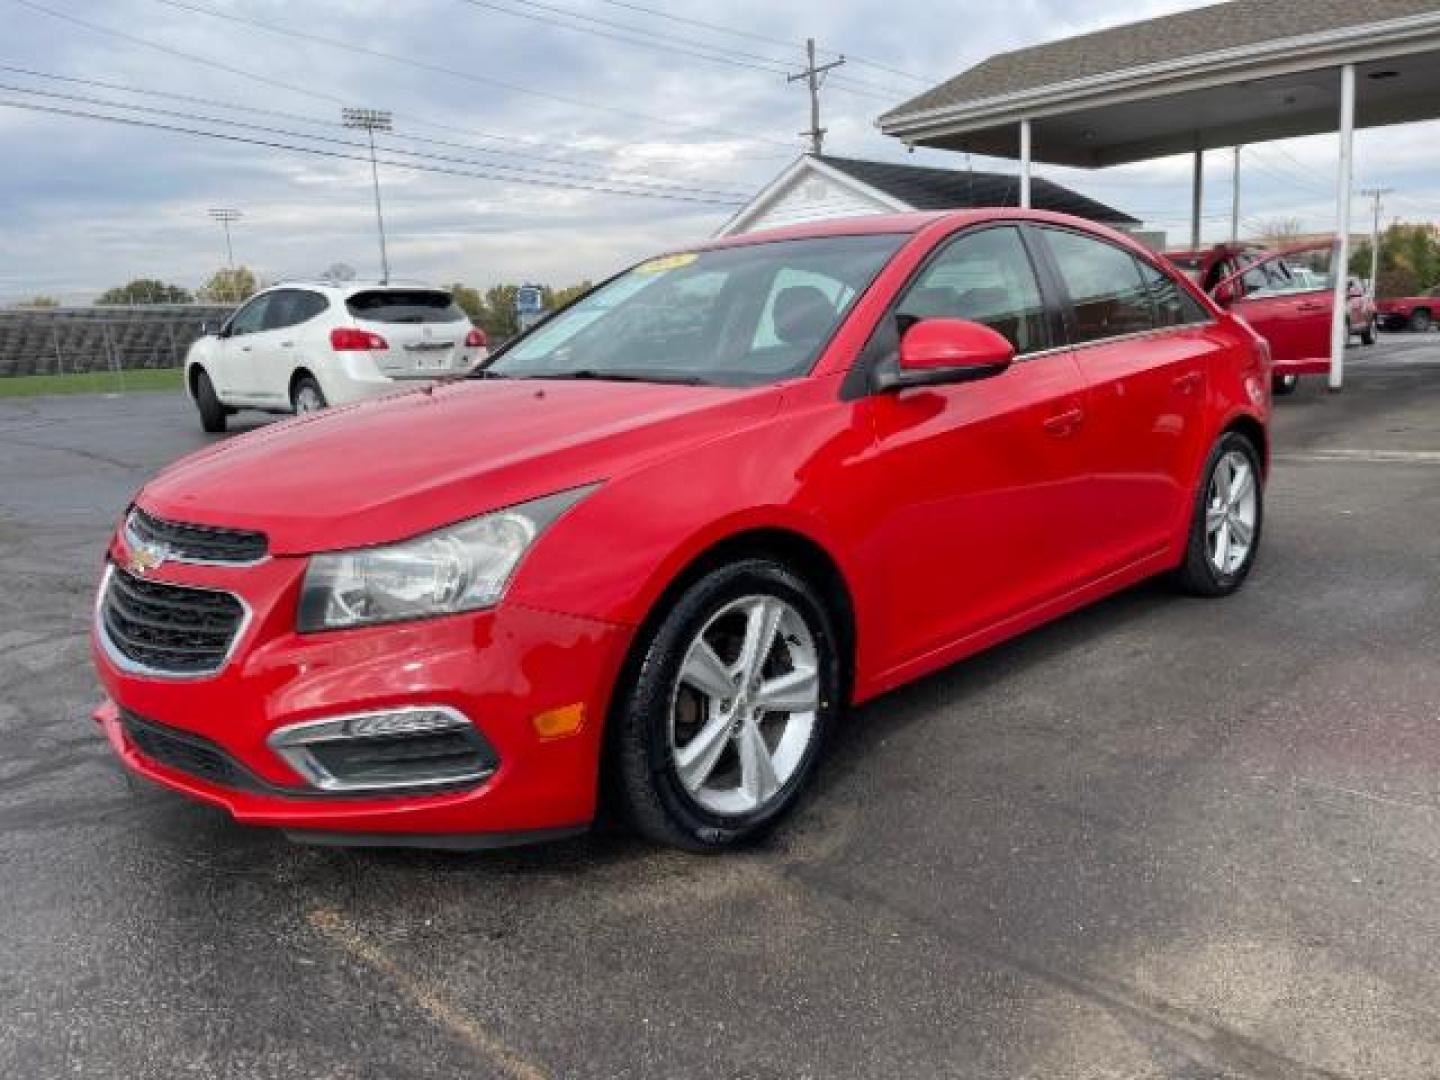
column 621, row 376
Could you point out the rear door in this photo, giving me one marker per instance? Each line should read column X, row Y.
column 287, row 346
column 424, row 330
column 1140, row 341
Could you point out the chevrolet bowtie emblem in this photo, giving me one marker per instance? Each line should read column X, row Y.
column 145, row 558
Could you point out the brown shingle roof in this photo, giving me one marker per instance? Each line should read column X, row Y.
column 1171, row 37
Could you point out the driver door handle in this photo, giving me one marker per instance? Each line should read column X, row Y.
column 1065, row 423
column 1188, row 383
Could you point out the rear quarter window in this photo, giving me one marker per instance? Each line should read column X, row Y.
column 404, row 306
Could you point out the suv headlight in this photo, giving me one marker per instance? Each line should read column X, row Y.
column 461, row 567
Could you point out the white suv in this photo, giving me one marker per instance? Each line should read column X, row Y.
column 300, row 347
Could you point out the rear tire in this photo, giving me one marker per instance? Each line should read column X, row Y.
column 212, row 413
column 1367, row 336
column 1226, row 520
column 669, row 785
column 307, row 397
column 1282, row 385
column 1420, row 321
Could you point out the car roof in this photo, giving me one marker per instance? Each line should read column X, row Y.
column 350, row 288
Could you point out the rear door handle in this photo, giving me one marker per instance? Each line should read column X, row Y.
column 287, row 344
column 244, row 348
column 1065, row 423
column 1188, row 383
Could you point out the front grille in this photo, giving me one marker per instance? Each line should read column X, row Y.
column 186, row 753
column 167, row 628
column 195, row 543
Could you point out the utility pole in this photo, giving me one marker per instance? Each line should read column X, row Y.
column 813, row 76
column 1377, row 194
column 371, row 121
column 225, row 215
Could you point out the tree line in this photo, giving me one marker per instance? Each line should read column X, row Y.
column 1409, row 259
column 493, row 309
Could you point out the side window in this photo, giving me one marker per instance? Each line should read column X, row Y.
column 1173, row 305
column 985, row 277
column 281, row 312
column 250, row 318
column 1108, row 297
column 310, row 305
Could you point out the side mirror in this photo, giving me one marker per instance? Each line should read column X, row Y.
column 939, row 351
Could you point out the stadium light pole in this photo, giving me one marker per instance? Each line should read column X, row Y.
column 371, row 121
column 225, row 215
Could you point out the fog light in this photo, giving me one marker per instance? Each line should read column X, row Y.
column 557, row 723
column 399, row 749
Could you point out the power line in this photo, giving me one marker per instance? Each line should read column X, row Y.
column 413, row 166
column 438, row 69
column 499, row 165
column 750, row 35
column 668, row 43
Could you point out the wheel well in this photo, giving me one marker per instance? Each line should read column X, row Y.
column 794, row 550
column 300, row 373
column 1253, row 430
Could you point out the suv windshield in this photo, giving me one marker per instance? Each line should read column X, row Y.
column 404, row 306
column 740, row 316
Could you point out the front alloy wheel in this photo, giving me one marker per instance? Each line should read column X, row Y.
column 735, row 690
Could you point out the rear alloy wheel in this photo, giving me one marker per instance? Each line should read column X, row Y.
column 1281, row 385
column 307, row 397
column 734, row 696
column 1420, row 321
column 1225, row 527
column 212, row 412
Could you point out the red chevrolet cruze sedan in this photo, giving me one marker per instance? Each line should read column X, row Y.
column 665, row 538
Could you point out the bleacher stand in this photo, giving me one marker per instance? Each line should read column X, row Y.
column 75, row 340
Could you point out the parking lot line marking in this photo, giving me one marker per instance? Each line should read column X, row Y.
column 338, row 931
column 1373, row 457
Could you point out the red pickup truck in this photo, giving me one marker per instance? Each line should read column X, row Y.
column 1410, row 312
column 1289, row 311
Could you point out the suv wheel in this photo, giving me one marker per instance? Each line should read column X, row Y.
column 1420, row 321
column 737, row 688
column 1225, row 524
column 307, row 397
column 1367, row 335
column 212, row 413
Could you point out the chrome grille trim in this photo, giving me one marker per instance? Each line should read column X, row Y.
column 116, row 654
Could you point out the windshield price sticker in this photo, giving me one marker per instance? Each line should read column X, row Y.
column 666, row 263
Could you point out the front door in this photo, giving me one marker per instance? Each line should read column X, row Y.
column 239, row 377
column 981, row 485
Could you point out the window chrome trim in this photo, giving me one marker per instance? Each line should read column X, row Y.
column 291, row 741
column 135, row 667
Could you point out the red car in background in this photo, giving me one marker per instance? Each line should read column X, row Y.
column 1418, row 313
column 1289, row 307
column 663, row 539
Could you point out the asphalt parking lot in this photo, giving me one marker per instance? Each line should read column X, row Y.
column 1161, row 838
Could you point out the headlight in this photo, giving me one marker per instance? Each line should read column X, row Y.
column 458, row 568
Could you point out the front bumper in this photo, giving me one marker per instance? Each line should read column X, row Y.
column 499, row 669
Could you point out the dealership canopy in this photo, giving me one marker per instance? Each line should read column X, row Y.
column 1217, row 76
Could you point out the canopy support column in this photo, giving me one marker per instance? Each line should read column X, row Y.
column 1340, row 270
column 1197, row 197
column 1025, row 164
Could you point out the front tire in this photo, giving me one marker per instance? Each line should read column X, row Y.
column 737, row 688
column 212, row 412
column 1226, row 520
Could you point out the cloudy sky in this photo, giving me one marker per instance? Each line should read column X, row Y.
column 530, row 108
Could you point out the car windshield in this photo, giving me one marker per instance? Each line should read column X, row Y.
column 740, row 316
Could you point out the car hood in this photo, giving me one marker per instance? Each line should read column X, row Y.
column 396, row 467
